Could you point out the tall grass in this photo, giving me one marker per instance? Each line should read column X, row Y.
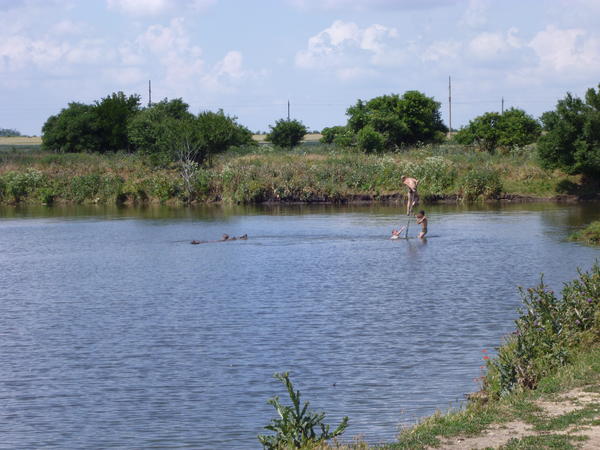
column 309, row 173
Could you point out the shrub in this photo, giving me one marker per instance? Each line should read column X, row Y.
column 572, row 135
column 295, row 427
column 100, row 127
column 548, row 331
column 481, row 183
column 329, row 134
column 369, row 140
column 512, row 129
column 405, row 120
column 286, row 133
column 589, row 235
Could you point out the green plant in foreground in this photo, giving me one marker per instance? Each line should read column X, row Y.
column 589, row 235
column 295, row 427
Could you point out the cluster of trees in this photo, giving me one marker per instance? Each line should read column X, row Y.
column 166, row 130
column 568, row 137
column 389, row 122
column 7, row 132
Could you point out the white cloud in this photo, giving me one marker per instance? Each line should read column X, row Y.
column 68, row 27
column 157, row 7
column 476, row 13
column 495, row 47
column 567, row 50
column 344, row 47
column 361, row 5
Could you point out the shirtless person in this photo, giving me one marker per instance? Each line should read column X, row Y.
column 422, row 220
column 413, row 196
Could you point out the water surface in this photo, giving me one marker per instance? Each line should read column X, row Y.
column 116, row 332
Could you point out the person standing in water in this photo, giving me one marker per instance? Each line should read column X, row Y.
column 422, row 220
column 413, row 196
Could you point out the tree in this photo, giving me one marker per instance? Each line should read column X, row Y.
column 405, row 120
column 73, row 129
column 7, row 132
column 148, row 131
column 100, row 127
column 329, row 134
column 369, row 140
column 154, row 130
column 287, row 133
column 113, row 114
column 514, row 128
column 572, row 135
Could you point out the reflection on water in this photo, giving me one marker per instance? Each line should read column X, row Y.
column 115, row 332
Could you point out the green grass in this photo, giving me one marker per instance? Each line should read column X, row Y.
column 589, row 235
column 312, row 172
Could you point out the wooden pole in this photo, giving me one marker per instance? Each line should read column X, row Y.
column 450, row 103
column 149, row 93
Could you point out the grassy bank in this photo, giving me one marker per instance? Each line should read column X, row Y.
column 589, row 235
column 542, row 390
column 310, row 173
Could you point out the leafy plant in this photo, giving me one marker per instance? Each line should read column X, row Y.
column 512, row 129
column 405, row 120
column 295, row 426
column 572, row 135
column 287, row 133
column 481, row 183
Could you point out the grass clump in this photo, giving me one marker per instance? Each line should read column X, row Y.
column 589, row 235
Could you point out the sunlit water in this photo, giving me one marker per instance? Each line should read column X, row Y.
column 116, row 332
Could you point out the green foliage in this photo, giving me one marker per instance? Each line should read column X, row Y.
column 369, row 140
column 405, row 120
column 481, row 183
column 7, row 132
column 296, row 425
column 148, row 130
column 589, row 235
column 14, row 186
column 100, row 127
column 571, row 141
column 287, row 133
column 165, row 128
column 329, row 134
column 74, row 129
column 512, row 129
column 548, row 332
column 113, row 114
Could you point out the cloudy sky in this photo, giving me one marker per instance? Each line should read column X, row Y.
column 250, row 56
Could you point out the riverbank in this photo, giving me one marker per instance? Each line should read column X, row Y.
column 541, row 390
column 311, row 173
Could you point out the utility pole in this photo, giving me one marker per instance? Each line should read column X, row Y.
column 502, row 105
column 450, row 103
column 288, row 110
column 149, row 93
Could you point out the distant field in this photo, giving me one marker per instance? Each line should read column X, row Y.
column 26, row 141
column 21, row 140
column 312, row 137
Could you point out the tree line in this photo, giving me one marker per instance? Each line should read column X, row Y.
column 567, row 138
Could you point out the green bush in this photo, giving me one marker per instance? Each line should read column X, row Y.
column 100, row 127
column 369, row 140
column 481, row 183
column 548, row 332
column 18, row 185
column 295, row 427
column 571, row 141
column 510, row 130
column 589, row 235
column 402, row 121
column 330, row 133
column 287, row 133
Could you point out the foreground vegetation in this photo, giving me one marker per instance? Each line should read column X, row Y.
column 555, row 348
column 251, row 174
column 541, row 390
column 589, row 235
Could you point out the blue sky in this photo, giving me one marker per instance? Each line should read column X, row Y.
column 250, row 57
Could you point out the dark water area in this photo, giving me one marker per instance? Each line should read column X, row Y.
column 115, row 332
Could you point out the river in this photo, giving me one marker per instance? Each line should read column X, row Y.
column 116, row 332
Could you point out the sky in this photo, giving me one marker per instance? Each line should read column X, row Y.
column 249, row 57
